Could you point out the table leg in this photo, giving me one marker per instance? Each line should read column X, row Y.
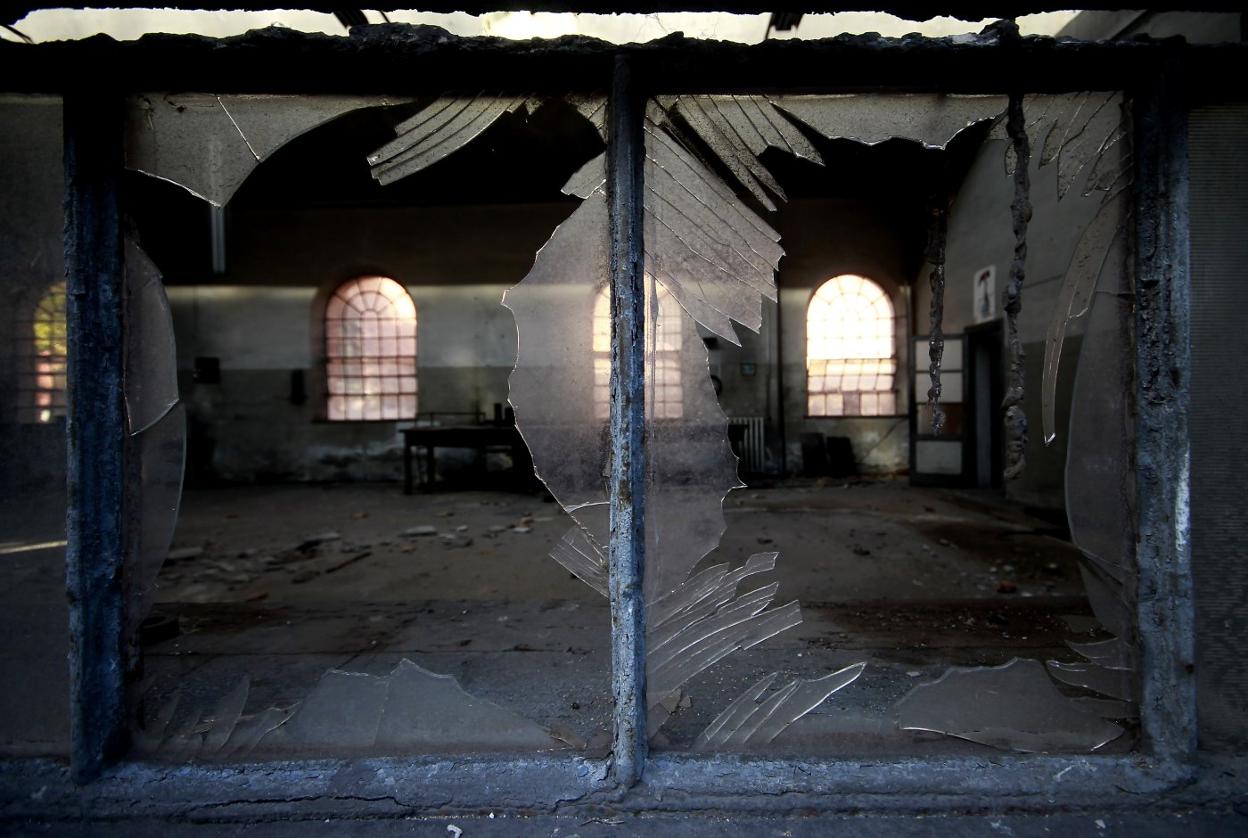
column 407, row 468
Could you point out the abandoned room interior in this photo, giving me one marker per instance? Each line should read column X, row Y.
column 804, row 425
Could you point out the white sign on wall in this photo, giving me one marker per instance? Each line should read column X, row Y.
column 984, row 305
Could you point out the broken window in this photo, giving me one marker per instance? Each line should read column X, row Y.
column 665, row 395
column 370, row 351
column 412, row 632
column 324, row 614
column 850, row 352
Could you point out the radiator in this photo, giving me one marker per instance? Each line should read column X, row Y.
column 753, row 449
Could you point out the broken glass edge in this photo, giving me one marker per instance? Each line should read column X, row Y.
column 1099, row 731
column 140, row 159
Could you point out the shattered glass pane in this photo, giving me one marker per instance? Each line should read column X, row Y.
column 151, row 356
column 378, row 645
column 725, row 174
column 209, row 144
column 302, row 609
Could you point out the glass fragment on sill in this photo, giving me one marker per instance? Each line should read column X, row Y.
column 1108, row 708
column 752, row 720
column 409, row 709
column 1112, row 683
column 209, row 144
column 1012, row 707
column 1111, row 654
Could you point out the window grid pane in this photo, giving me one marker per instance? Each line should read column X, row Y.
column 43, row 355
column 851, row 362
column 665, row 395
column 370, row 351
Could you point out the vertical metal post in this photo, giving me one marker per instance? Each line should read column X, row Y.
column 94, row 263
column 1163, row 450
column 626, row 559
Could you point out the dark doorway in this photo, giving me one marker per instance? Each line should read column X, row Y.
column 984, row 445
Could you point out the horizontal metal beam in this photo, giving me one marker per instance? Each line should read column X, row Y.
column 414, row 60
column 909, row 9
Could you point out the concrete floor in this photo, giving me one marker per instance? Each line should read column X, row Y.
column 280, row 584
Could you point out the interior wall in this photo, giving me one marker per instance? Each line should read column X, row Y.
column 34, row 618
column 260, row 320
column 823, row 239
column 980, row 235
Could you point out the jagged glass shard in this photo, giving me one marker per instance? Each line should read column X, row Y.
column 703, row 621
column 156, row 420
column 209, row 144
column 1115, row 683
column 930, row 119
column 1100, row 483
column 151, row 375
column 593, row 108
column 738, row 129
column 582, row 559
column 1082, row 136
column 752, row 720
column 225, row 717
column 162, row 459
column 1013, row 707
column 714, row 254
column 439, row 130
column 590, row 178
column 1101, row 243
column 559, row 367
column 1080, row 129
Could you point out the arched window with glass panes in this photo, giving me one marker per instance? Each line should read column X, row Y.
column 370, row 351
column 665, row 393
column 44, row 350
column 851, row 353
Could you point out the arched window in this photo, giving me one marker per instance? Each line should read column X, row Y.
column 370, row 351
column 851, row 358
column 43, row 386
column 665, row 390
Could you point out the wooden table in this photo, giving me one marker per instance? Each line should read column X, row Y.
column 483, row 438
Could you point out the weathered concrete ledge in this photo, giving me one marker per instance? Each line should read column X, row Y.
column 397, row 58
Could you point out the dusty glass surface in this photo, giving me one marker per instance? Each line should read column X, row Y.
column 34, row 620
column 308, row 606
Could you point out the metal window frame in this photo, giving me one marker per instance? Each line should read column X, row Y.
column 1157, row 76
